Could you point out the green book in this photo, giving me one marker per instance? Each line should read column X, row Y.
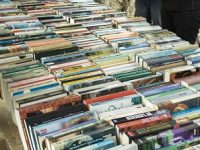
column 17, row 69
column 132, row 77
column 132, row 73
column 166, row 93
column 129, row 71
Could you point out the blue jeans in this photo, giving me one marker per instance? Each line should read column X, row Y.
column 150, row 9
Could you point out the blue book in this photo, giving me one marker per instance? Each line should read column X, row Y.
column 134, row 47
column 158, row 54
column 195, row 60
column 162, row 89
column 56, row 58
column 175, row 114
column 64, row 123
column 67, row 123
column 125, row 39
column 36, row 89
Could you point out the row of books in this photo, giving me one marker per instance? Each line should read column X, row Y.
column 112, row 83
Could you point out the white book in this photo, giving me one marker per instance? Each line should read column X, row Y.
column 116, row 147
column 120, row 68
column 195, row 147
column 82, row 90
column 118, row 103
column 130, row 147
column 108, row 116
column 155, row 99
column 33, row 94
column 193, row 56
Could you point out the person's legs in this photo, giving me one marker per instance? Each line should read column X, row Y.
column 155, row 7
column 167, row 20
column 187, row 25
column 142, row 9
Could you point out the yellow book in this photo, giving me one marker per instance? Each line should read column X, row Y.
column 82, row 80
column 79, row 76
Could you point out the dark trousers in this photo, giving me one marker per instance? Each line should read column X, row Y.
column 184, row 23
column 150, row 9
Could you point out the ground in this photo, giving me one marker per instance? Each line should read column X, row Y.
column 9, row 135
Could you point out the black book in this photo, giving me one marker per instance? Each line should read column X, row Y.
column 139, row 116
column 59, row 113
column 39, row 55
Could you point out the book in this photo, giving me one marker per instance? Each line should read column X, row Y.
column 118, row 103
column 138, row 116
column 168, row 138
column 129, row 136
column 108, row 97
column 133, row 125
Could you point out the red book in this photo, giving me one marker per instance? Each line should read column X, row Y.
column 108, row 97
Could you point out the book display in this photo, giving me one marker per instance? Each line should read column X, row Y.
column 76, row 74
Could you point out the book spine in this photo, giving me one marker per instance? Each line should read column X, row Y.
column 13, row 70
column 176, row 106
column 109, row 133
column 162, row 89
column 31, row 90
column 133, row 125
column 152, row 129
column 163, row 60
column 28, row 81
column 54, row 103
column 170, row 137
column 108, row 97
column 99, row 144
column 158, row 54
column 55, row 67
column 139, row 116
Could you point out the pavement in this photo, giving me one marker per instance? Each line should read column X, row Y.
column 9, row 135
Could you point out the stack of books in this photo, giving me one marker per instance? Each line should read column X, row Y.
column 168, row 96
column 79, row 75
column 84, row 39
column 111, row 59
column 145, row 28
column 8, row 8
column 132, row 74
column 159, row 37
column 123, row 41
column 192, row 56
column 183, row 73
column 44, row 47
column 47, row 17
column 31, row 5
column 127, row 22
column 160, row 60
column 7, row 4
column 32, row 34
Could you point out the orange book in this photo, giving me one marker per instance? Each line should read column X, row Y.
column 45, row 42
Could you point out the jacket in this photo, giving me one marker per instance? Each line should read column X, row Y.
column 178, row 5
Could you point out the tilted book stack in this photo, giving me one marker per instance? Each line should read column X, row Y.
column 79, row 75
